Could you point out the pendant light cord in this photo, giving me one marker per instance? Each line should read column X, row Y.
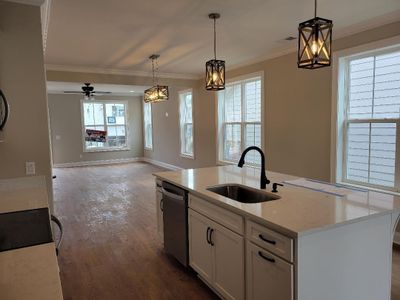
column 156, row 72
column 315, row 9
column 152, row 66
column 215, row 41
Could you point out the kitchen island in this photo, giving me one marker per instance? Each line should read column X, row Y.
column 317, row 241
column 27, row 271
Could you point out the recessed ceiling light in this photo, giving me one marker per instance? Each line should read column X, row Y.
column 131, row 91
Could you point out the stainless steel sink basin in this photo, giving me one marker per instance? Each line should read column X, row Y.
column 242, row 193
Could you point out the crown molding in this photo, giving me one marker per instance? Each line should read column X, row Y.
column 64, row 68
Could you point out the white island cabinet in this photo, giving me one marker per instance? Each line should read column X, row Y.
column 306, row 245
column 217, row 254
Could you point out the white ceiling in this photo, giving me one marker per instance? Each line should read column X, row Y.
column 55, row 87
column 121, row 34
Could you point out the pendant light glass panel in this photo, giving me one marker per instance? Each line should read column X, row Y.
column 156, row 93
column 215, row 75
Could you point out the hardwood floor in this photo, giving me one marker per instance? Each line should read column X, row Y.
column 111, row 249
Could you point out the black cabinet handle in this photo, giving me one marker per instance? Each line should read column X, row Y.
column 266, row 240
column 266, row 257
column 162, row 204
column 208, row 231
column 211, row 232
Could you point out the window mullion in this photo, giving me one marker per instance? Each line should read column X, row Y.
column 105, row 122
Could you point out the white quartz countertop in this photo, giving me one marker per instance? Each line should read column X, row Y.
column 30, row 273
column 299, row 210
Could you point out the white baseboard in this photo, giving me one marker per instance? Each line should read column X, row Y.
column 396, row 239
column 97, row 162
column 161, row 164
column 117, row 161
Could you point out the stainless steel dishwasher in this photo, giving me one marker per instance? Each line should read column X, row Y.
column 175, row 212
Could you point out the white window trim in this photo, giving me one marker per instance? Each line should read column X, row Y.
column 105, row 149
column 338, row 110
column 186, row 155
column 217, row 125
column 144, row 129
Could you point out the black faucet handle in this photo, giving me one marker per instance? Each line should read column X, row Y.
column 275, row 187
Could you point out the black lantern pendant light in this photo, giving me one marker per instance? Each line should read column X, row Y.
column 315, row 43
column 156, row 93
column 215, row 69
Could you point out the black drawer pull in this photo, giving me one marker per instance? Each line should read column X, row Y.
column 266, row 240
column 265, row 257
column 211, row 232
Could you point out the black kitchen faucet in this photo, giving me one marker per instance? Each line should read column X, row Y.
column 263, row 179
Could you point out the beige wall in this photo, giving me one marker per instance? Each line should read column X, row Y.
column 22, row 78
column 297, row 112
column 166, row 129
column 66, row 122
column 166, row 137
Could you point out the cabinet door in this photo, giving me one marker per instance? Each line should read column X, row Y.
column 200, row 251
column 160, row 221
column 228, row 258
column 268, row 277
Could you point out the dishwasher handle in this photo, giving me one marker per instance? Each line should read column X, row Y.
column 172, row 195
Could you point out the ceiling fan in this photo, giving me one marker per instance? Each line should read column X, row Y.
column 88, row 91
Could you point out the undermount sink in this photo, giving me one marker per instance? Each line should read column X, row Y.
column 242, row 193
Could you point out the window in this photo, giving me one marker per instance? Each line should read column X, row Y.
column 148, row 126
column 369, row 105
column 104, row 125
column 240, row 120
column 186, row 122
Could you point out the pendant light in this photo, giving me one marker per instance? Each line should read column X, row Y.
column 156, row 93
column 315, row 42
column 215, row 69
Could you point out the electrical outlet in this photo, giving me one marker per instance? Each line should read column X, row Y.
column 30, row 168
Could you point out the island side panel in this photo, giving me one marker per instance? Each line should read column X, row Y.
column 348, row 262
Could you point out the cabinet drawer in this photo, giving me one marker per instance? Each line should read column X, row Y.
column 218, row 214
column 268, row 276
column 270, row 240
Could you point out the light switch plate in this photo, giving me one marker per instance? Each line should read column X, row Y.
column 30, row 168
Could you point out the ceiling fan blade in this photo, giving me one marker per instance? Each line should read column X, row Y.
column 73, row 92
column 99, row 92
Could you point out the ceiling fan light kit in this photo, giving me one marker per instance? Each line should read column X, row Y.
column 157, row 93
column 315, row 42
column 215, row 68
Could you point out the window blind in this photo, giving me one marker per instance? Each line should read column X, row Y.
column 186, row 123
column 372, row 123
column 239, row 119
